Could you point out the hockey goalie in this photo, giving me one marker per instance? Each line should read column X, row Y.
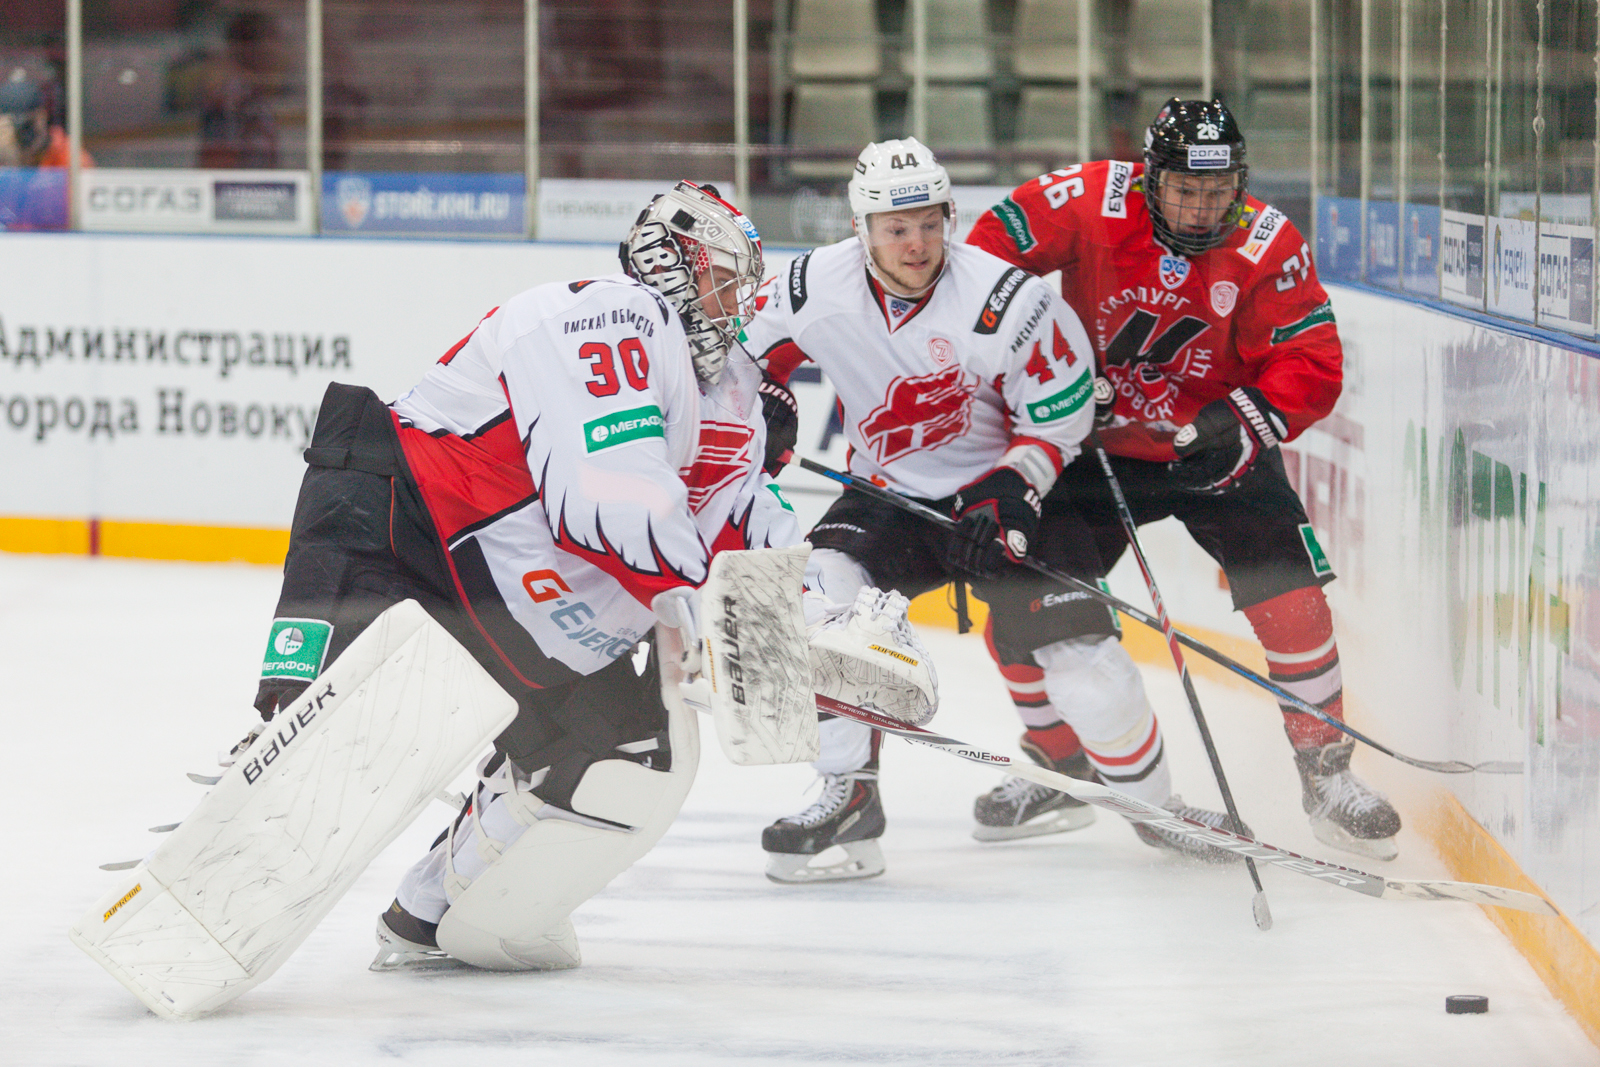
column 564, row 541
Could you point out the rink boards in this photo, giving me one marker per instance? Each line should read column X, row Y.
column 156, row 392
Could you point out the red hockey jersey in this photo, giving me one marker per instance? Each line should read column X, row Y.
column 1172, row 332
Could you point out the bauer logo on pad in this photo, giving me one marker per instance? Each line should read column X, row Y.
column 295, row 649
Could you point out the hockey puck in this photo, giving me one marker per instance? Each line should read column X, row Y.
column 1466, row 1004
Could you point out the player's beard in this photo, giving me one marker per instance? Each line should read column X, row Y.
column 897, row 285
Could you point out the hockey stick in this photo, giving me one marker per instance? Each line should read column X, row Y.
column 1138, row 811
column 1283, row 696
column 1258, row 904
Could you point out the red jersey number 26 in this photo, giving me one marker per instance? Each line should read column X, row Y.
column 603, row 366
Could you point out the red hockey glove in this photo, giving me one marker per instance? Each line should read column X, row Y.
column 1225, row 440
column 996, row 517
column 782, row 413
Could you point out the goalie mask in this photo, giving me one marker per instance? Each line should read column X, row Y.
column 1194, row 175
column 903, row 253
column 701, row 254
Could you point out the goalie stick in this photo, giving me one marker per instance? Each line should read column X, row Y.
column 1258, row 903
column 1095, row 592
column 1371, row 885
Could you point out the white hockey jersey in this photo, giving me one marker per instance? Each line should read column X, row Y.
column 933, row 391
column 573, row 468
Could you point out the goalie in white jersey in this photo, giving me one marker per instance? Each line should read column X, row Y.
column 557, row 482
column 965, row 383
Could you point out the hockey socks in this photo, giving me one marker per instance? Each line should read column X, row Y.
column 1058, row 742
column 1296, row 633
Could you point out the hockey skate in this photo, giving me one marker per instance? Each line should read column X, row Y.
column 1020, row 808
column 848, row 814
column 1346, row 813
column 407, row 941
column 1158, row 837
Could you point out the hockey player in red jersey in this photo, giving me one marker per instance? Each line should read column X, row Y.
column 963, row 383
column 1210, row 324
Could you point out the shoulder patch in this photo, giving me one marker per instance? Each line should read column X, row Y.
column 797, row 282
column 1267, row 227
column 1000, row 298
column 1321, row 314
column 579, row 286
column 1119, row 181
column 1015, row 220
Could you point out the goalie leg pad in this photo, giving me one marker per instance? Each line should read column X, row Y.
column 871, row 657
column 277, row 841
column 756, row 662
column 514, row 916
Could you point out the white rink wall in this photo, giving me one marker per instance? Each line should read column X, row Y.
column 175, row 380
column 1456, row 488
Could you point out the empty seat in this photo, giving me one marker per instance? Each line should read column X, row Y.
column 1278, row 137
column 1164, row 41
column 831, row 116
column 1047, row 127
column 1046, row 42
column 958, row 41
column 958, row 119
column 1277, row 42
column 834, row 39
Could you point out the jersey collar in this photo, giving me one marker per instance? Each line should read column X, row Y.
column 897, row 310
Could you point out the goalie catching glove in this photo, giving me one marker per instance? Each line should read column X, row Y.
column 869, row 656
column 1225, row 440
column 996, row 517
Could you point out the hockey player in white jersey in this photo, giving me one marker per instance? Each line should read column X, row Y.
column 965, row 383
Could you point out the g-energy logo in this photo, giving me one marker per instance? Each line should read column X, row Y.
column 797, row 282
column 1000, row 297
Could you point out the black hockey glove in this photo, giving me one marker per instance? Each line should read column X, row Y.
column 1105, row 402
column 782, row 413
column 996, row 517
column 1225, row 440
column 275, row 693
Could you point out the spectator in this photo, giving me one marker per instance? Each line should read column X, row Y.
column 237, row 127
column 35, row 155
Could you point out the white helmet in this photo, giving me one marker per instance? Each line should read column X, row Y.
column 682, row 236
column 896, row 176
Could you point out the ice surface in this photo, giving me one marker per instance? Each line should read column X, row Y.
column 1081, row 948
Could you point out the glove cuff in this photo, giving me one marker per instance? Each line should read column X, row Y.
column 1265, row 422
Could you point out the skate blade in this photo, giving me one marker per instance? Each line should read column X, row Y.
column 1051, row 822
column 395, row 953
column 397, row 959
column 862, row 859
column 1333, row 835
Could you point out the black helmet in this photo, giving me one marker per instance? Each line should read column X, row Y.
column 1194, row 137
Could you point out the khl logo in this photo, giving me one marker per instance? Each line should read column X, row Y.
column 1174, row 271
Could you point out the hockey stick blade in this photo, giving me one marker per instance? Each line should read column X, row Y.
column 1138, row 811
column 1283, row 696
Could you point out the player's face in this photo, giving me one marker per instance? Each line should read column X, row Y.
column 908, row 246
column 719, row 297
column 1195, row 203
